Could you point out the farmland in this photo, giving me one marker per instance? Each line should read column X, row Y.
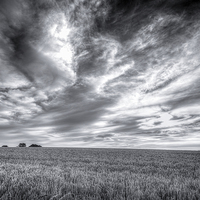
column 90, row 174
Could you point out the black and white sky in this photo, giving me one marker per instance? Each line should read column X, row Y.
column 100, row 73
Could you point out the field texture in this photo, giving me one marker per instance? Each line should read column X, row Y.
column 90, row 174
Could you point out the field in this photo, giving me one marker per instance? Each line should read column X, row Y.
column 90, row 174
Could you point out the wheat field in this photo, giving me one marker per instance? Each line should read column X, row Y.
column 90, row 174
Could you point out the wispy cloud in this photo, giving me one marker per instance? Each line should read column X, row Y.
column 100, row 73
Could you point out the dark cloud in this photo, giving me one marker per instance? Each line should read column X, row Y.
column 104, row 135
column 100, row 73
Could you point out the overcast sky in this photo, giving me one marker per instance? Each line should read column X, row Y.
column 100, row 73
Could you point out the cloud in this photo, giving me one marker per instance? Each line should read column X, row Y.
column 100, row 73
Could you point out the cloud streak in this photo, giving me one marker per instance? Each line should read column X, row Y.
column 100, row 74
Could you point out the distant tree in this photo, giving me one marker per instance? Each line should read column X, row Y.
column 22, row 145
column 5, row 146
column 35, row 145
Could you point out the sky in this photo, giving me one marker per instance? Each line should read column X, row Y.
column 100, row 73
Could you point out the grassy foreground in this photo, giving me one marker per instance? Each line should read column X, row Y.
column 90, row 174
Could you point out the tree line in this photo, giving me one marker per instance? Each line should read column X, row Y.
column 24, row 145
